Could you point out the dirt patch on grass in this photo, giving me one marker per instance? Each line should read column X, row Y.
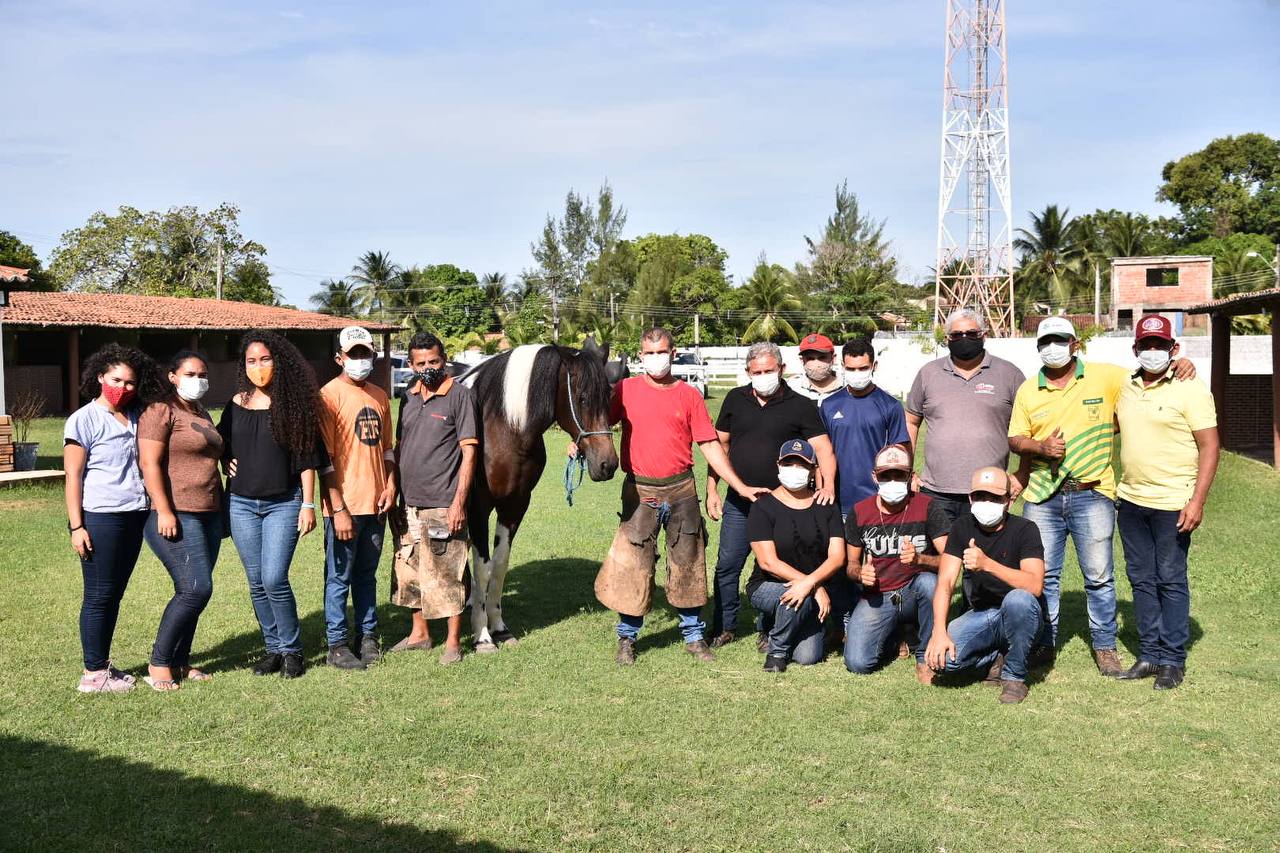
column 19, row 505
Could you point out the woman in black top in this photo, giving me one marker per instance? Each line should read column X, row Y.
column 799, row 546
column 272, row 452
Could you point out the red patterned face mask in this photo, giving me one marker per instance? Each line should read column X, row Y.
column 118, row 395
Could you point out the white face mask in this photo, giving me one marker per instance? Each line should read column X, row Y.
column 793, row 477
column 1055, row 355
column 765, row 383
column 987, row 513
column 656, row 364
column 858, row 380
column 1154, row 360
column 358, row 368
column 192, row 388
column 893, row 491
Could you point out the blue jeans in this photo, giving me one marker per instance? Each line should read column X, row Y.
column 189, row 559
column 796, row 633
column 1155, row 556
column 1090, row 518
column 876, row 615
column 734, row 549
column 980, row 635
column 116, row 538
column 692, row 627
column 265, row 531
column 351, row 567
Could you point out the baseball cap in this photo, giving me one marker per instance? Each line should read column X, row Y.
column 816, row 343
column 892, row 458
column 797, row 447
column 354, row 336
column 1055, row 326
column 1153, row 326
column 991, row 479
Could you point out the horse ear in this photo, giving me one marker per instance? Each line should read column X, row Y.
column 589, row 345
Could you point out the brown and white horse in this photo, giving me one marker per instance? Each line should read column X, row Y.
column 520, row 394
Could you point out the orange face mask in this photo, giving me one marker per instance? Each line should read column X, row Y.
column 260, row 375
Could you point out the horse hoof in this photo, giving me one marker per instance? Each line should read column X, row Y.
column 486, row 648
column 505, row 638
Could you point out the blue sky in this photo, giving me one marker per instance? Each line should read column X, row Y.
column 445, row 132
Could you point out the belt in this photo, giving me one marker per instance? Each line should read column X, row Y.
column 1071, row 485
column 663, row 481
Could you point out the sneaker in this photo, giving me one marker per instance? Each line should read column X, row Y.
column 626, row 651
column 775, row 663
column 268, row 664
column 1108, row 662
column 107, row 680
column 1012, row 692
column 924, row 673
column 700, row 650
column 342, row 658
column 293, row 666
column 370, row 651
column 723, row 639
column 993, row 674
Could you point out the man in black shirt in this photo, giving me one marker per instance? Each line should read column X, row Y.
column 1003, row 562
column 755, row 420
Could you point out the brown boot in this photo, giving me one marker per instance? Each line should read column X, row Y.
column 723, row 639
column 1108, row 662
column 701, row 651
column 993, row 675
column 924, row 674
column 762, row 642
column 1012, row 692
column 626, row 651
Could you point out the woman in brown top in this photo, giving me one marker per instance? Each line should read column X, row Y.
column 178, row 450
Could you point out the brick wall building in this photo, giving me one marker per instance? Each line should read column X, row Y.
column 1166, row 284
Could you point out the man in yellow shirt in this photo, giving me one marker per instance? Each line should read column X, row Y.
column 1063, row 428
column 1169, row 455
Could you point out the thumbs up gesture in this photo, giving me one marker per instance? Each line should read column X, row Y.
column 1054, row 446
column 907, row 551
column 867, row 577
column 975, row 559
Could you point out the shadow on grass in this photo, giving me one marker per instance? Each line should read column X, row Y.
column 1073, row 621
column 56, row 798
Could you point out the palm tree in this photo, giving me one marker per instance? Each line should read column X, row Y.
column 375, row 277
column 496, row 296
column 769, row 296
column 336, row 296
column 1051, row 252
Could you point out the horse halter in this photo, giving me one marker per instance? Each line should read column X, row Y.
column 573, row 411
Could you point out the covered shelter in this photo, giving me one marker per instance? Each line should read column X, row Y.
column 1248, row 405
column 47, row 336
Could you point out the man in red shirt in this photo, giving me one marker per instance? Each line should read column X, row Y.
column 662, row 417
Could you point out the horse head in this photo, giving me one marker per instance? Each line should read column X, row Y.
column 582, row 407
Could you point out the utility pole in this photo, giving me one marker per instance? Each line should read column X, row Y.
column 612, row 320
column 218, row 271
column 555, row 314
column 697, row 329
column 1097, row 295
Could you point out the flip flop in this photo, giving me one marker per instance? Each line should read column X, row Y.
column 406, row 646
column 161, row 685
column 196, row 675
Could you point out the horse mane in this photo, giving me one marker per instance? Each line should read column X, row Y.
column 521, row 384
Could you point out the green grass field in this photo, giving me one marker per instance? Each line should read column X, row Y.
column 551, row 746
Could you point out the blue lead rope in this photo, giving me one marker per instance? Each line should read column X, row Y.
column 569, row 485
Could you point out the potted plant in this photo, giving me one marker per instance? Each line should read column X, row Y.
column 28, row 407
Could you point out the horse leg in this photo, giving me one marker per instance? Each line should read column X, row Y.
column 509, row 518
column 481, row 573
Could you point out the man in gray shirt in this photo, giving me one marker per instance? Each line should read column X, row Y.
column 965, row 401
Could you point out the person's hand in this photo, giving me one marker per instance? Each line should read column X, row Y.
column 823, row 599
column 1015, row 488
column 343, row 528
column 231, row 468
column 456, row 518
column 907, row 551
column 387, row 499
column 975, row 559
column 167, row 525
column 825, row 496
column 939, row 650
column 797, row 592
column 915, row 481
column 752, row 492
column 306, row 520
column 867, row 576
column 82, row 544
column 1183, row 368
column 572, row 450
column 715, row 508
column 1054, row 446
column 1190, row 517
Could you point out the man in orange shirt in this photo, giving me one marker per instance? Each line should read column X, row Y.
column 360, row 487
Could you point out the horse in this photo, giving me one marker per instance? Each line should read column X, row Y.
column 520, row 394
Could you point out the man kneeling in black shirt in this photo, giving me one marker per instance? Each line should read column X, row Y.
column 1003, row 562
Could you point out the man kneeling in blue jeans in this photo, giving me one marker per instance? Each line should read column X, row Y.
column 893, row 540
column 1003, row 562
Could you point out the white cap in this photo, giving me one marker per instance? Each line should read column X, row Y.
column 1055, row 326
column 354, row 336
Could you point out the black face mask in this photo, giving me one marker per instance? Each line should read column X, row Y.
column 431, row 377
column 966, row 349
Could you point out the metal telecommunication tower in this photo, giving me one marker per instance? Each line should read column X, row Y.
column 974, row 198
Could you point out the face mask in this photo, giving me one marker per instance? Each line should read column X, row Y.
column 431, row 377
column 765, row 383
column 1055, row 355
column 118, row 395
column 892, row 491
column 260, row 375
column 987, row 513
column 859, row 380
column 192, row 388
column 358, row 368
column 656, row 364
column 966, row 349
column 793, row 477
column 1154, row 360
column 817, row 371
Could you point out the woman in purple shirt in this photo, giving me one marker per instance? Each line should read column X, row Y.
column 106, row 501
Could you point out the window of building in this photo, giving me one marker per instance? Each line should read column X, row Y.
column 1162, row 277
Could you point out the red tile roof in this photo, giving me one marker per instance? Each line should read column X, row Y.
column 13, row 274
column 1239, row 303
column 166, row 312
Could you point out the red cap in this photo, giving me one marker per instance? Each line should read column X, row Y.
column 1153, row 326
column 816, row 343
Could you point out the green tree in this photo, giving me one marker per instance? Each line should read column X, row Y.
column 15, row 253
column 1051, row 256
column 445, row 300
column 1232, row 184
column 376, row 277
column 250, row 281
column 1241, row 262
column 336, row 296
column 769, row 297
